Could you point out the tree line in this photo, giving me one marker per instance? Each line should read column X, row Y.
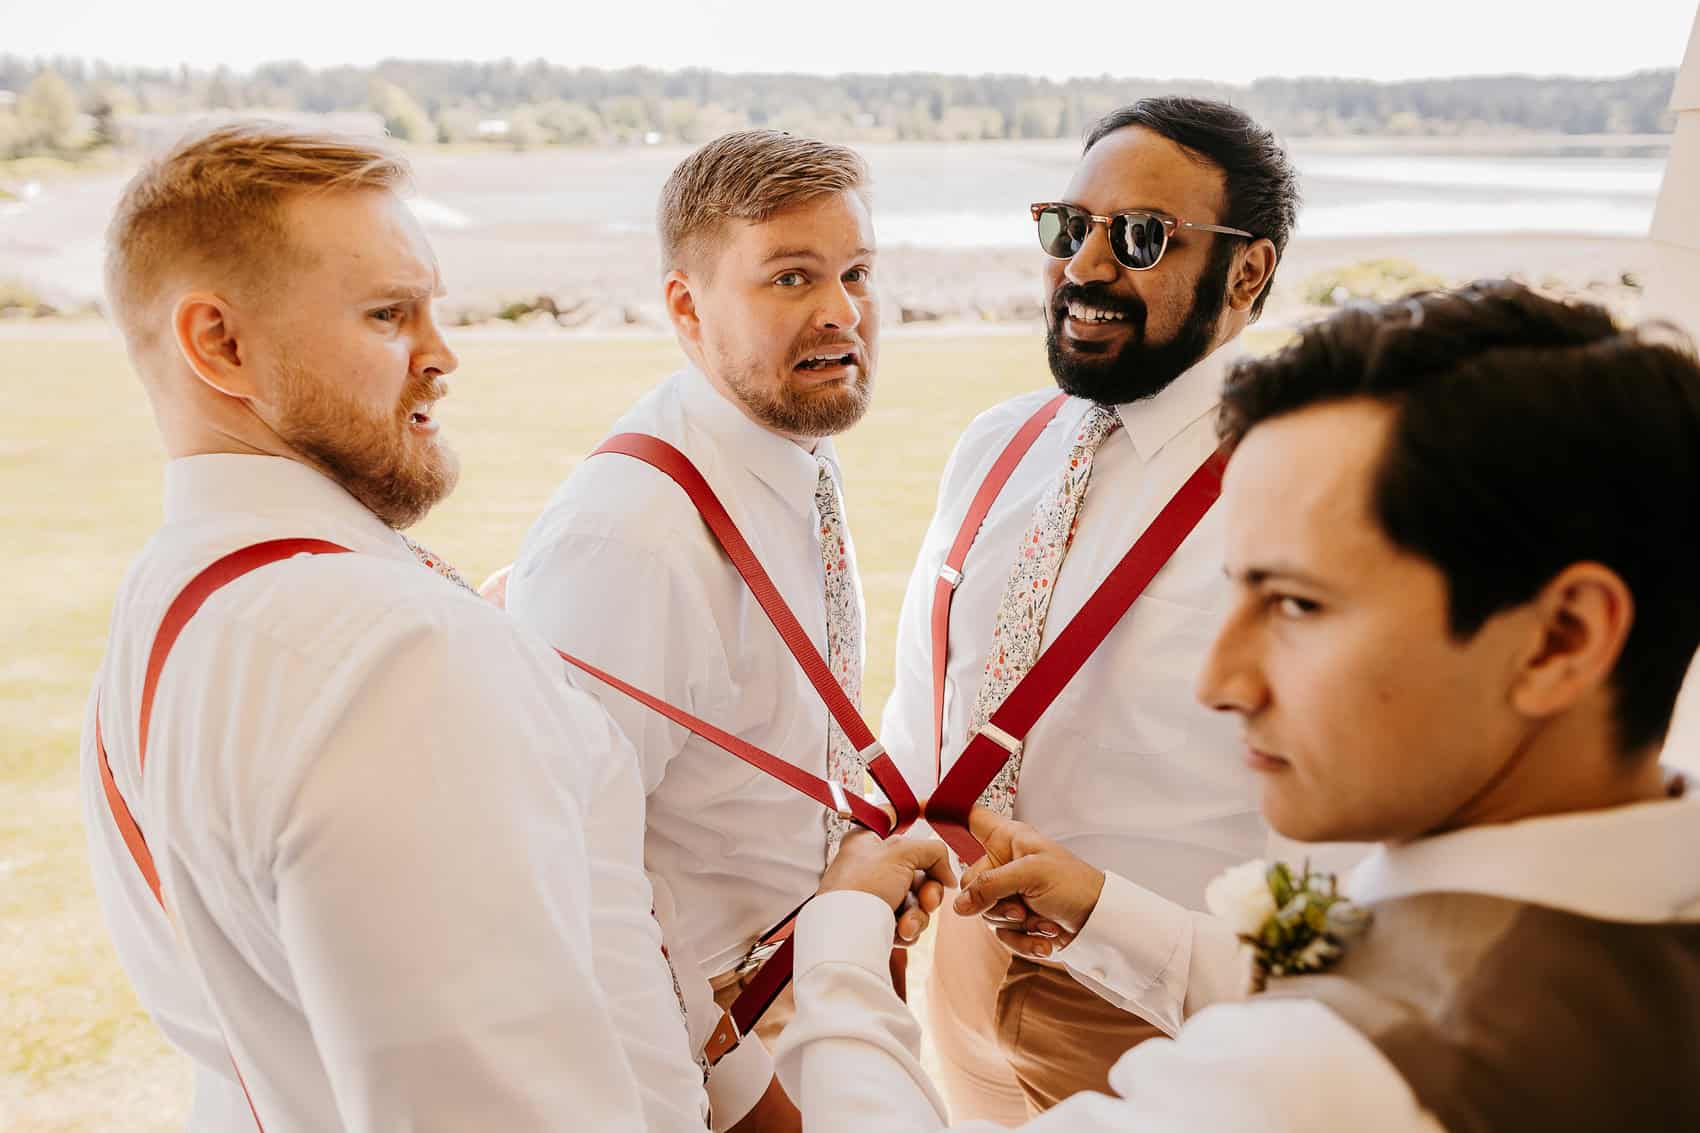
column 70, row 105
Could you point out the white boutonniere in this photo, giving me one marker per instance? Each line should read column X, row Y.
column 1293, row 924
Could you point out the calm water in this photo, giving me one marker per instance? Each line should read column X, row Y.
column 977, row 195
column 951, row 196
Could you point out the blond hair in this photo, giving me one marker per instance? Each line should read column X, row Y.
column 213, row 207
column 749, row 175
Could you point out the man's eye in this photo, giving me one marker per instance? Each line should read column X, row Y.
column 1291, row 607
column 790, row 279
column 858, row 275
column 387, row 314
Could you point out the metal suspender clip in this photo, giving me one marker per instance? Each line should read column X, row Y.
column 1000, row 737
column 951, row 575
column 840, row 801
column 758, row 956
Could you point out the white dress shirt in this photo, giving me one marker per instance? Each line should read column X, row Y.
column 621, row 571
column 1277, row 1065
column 398, row 848
column 1125, row 768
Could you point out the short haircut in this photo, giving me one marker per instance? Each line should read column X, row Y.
column 749, row 175
column 213, row 207
column 1530, row 434
column 1262, row 185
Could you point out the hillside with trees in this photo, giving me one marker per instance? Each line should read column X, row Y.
column 68, row 106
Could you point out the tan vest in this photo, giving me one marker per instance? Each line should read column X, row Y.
column 1506, row 1016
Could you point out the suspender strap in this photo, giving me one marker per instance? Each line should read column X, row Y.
column 950, row 575
column 758, row 995
column 676, row 465
column 861, row 811
column 991, row 747
column 220, row 574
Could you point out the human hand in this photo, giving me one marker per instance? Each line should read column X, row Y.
column 1036, row 894
column 894, row 870
column 495, row 588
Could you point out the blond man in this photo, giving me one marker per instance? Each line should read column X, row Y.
column 364, row 854
column 768, row 251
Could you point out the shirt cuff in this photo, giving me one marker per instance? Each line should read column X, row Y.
column 738, row 1082
column 844, row 927
column 1127, row 950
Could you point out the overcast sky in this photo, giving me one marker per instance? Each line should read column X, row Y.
column 1226, row 40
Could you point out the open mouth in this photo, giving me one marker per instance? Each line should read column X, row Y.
column 421, row 420
column 1093, row 316
column 827, row 360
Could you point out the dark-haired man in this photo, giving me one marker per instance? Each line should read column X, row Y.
column 1162, row 248
column 1459, row 621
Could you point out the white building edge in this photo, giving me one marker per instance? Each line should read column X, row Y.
column 1673, row 292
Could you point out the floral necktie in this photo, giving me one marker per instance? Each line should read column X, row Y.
column 843, row 643
column 1020, row 623
column 435, row 562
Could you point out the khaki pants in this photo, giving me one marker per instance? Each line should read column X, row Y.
column 1015, row 1037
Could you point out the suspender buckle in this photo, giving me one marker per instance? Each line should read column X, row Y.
column 758, row 956
column 840, row 800
column 951, row 576
column 1000, row 737
column 870, row 753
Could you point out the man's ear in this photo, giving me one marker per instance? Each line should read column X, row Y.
column 1582, row 619
column 681, row 306
column 1252, row 269
column 204, row 327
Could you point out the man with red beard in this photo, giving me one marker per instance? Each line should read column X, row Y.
column 769, row 255
column 368, row 859
column 1162, row 248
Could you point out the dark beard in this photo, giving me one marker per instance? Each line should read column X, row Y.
column 1138, row 370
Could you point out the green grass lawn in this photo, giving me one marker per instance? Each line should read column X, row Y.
column 80, row 479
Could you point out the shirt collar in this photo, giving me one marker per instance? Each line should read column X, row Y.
column 1634, row 864
column 1153, row 422
column 297, row 494
column 781, row 464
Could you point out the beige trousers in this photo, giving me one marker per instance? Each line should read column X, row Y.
column 1014, row 1037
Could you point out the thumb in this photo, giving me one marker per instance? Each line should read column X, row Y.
column 992, row 886
column 930, row 857
column 993, row 831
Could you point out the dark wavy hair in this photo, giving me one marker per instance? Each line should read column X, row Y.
column 1530, row 434
column 1262, row 186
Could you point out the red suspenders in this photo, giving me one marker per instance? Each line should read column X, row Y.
column 993, row 745
column 759, row 994
column 220, row 574
column 947, row 810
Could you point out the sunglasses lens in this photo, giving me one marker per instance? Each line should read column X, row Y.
column 1138, row 240
column 1062, row 231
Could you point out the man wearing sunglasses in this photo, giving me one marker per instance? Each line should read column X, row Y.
column 1161, row 251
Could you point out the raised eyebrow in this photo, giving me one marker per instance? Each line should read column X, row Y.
column 811, row 255
column 409, row 293
column 1263, row 575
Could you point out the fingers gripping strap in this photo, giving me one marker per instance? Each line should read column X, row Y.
column 991, row 747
